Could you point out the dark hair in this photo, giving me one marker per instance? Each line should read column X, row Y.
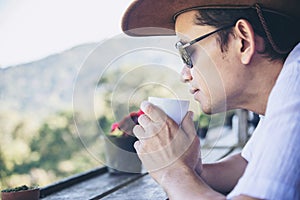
column 283, row 30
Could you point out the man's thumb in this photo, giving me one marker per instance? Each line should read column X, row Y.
column 187, row 124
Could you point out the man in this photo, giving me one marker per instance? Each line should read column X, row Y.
column 237, row 54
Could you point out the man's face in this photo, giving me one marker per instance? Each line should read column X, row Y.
column 214, row 78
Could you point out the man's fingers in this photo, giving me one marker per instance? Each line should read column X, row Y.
column 153, row 112
column 139, row 132
column 187, row 124
column 137, row 145
column 144, row 120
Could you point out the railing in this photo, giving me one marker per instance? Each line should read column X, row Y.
column 99, row 184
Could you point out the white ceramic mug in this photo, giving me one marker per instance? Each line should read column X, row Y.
column 174, row 108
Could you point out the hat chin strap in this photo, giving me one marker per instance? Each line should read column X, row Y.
column 267, row 31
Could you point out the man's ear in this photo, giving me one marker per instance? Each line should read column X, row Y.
column 246, row 38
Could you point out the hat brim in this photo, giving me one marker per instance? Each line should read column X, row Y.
column 162, row 13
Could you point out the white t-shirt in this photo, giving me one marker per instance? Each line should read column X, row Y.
column 273, row 152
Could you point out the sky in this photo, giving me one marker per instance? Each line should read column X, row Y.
column 33, row 29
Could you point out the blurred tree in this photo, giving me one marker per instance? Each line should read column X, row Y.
column 105, row 124
column 3, row 170
column 55, row 142
column 54, row 152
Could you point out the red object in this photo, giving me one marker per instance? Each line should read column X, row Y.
column 140, row 112
column 133, row 115
column 114, row 126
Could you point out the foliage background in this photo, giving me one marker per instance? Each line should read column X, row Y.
column 44, row 137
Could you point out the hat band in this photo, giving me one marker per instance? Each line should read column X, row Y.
column 230, row 7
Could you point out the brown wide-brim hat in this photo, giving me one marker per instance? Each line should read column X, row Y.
column 162, row 13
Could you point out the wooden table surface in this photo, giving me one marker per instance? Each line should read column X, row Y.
column 100, row 184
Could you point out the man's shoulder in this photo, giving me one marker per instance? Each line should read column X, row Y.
column 294, row 56
column 290, row 73
column 285, row 93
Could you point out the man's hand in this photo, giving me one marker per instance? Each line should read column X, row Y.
column 171, row 154
column 163, row 146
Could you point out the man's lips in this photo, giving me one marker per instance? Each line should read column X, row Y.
column 194, row 90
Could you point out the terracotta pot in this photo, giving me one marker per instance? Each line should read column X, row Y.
column 33, row 194
column 121, row 156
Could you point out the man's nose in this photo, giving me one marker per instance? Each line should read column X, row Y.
column 186, row 75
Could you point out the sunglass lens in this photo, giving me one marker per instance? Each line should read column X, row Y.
column 184, row 55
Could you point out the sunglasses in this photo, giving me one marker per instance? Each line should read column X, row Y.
column 182, row 48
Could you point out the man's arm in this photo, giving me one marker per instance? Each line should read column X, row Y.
column 224, row 175
column 216, row 177
column 170, row 154
column 184, row 183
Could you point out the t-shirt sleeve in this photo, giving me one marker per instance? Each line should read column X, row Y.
column 247, row 151
column 273, row 166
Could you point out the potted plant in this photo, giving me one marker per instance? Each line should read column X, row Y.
column 21, row 193
column 120, row 154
